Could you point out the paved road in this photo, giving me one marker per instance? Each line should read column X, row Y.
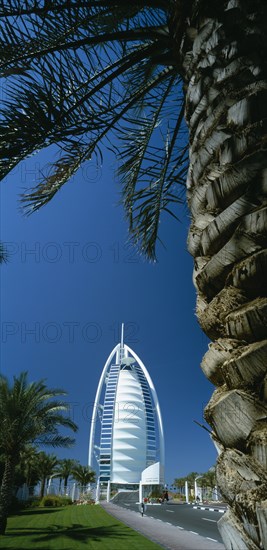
column 164, row 533
column 194, row 520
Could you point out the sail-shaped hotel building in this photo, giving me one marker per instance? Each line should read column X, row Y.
column 126, row 437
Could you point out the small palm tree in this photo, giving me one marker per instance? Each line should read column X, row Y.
column 65, row 468
column 29, row 413
column 28, row 466
column 208, row 480
column 83, row 475
column 46, row 468
column 179, row 483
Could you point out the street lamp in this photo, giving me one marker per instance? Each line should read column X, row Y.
column 49, row 482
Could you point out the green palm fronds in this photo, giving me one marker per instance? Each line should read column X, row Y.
column 3, row 254
column 31, row 413
column 82, row 75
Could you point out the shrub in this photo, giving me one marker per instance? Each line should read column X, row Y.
column 54, row 501
column 156, row 492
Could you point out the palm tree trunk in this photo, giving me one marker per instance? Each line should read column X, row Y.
column 224, row 58
column 66, row 478
column 6, row 492
column 42, row 489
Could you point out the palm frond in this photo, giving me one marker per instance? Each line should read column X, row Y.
column 75, row 73
column 55, row 441
column 3, row 254
column 69, row 164
column 15, row 8
column 152, row 175
column 63, row 170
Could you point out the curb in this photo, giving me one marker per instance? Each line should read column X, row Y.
column 221, row 510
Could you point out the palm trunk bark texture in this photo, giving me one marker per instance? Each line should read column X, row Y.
column 224, row 59
column 6, row 491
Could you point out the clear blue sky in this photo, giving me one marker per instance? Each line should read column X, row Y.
column 77, row 287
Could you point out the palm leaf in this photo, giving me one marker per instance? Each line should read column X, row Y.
column 75, row 73
column 158, row 172
column 63, row 170
column 3, row 253
column 55, row 441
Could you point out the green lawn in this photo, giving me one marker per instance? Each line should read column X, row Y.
column 71, row 528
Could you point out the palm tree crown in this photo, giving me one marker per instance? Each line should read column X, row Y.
column 28, row 465
column 65, row 468
column 83, row 475
column 82, row 74
column 47, row 464
column 29, row 413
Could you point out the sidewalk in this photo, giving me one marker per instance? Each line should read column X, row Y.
column 168, row 536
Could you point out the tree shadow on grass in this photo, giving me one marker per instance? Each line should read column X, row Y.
column 31, row 511
column 75, row 532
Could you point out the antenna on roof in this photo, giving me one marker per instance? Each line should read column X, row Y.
column 122, row 334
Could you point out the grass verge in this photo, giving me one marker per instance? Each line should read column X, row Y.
column 71, row 528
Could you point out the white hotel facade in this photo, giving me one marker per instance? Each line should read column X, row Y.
column 128, row 447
